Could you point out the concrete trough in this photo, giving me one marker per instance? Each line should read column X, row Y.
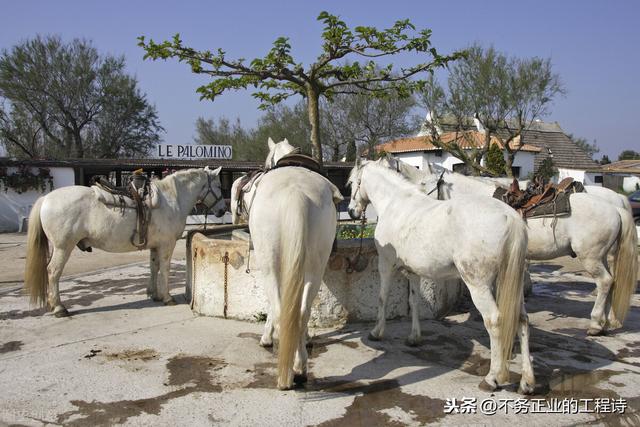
column 343, row 297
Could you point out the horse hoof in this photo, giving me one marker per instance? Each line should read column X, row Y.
column 594, row 332
column 413, row 342
column 526, row 389
column 613, row 323
column 373, row 337
column 285, row 387
column 485, row 386
column 266, row 344
column 300, row 379
column 63, row 312
column 170, row 302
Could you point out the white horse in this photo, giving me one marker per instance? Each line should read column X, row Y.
column 480, row 240
column 78, row 215
column 292, row 220
column 597, row 225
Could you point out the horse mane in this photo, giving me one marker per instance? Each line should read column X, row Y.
column 400, row 182
column 167, row 185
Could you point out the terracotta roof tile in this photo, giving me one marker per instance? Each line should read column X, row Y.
column 466, row 139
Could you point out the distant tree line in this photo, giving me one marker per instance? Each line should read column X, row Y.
column 348, row 123
column 65, row 100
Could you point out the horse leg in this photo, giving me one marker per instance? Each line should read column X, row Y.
column 386, row 273
column 164, row 265
column 154, row 265
column 485, row 303
column 58, row 260
column 528, row 379
column 300, row 364
column 273, row 299
column 597, row 269
column 414, row 288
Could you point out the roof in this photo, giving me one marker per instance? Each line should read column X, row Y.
column 623, row 166
column 466, row 139
column 566, row 153
column 127, row 164
column 549, row 137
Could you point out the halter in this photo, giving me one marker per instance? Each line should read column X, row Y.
column 209, row 190
column 438, row 186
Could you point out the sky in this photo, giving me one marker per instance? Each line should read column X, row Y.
column 594, row 46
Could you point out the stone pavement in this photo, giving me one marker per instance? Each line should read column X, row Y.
column 122, row 359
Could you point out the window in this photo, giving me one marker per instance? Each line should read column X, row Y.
column 598, row 179
column 515, row 170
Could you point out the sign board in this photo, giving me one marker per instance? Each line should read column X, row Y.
column 193, row 151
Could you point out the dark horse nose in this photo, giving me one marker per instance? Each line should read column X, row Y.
column 352, row 214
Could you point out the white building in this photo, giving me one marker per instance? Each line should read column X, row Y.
column 419, row 150
column 15, row 206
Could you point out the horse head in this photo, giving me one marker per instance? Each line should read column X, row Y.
column 359, row 200
column 278, row 151
column 211, row 194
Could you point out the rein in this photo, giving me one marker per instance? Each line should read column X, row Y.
column 438, row 186
column 201, row 200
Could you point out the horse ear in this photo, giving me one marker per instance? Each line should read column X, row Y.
column 271, row 143
column 286, row 141
column 217, row 170
column 207, row 168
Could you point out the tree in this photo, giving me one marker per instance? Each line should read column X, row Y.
column 277, row 76
column 590, row 149
column 65, row 100
column 495, row 160
column 605, row 160
column 547, row 169
column 629, row 155
column 278, row 122
column 503, row 95
column 366, row 120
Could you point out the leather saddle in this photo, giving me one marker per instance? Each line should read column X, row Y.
column 538, row 193
column 139, row 194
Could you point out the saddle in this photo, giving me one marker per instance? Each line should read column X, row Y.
column 138, row 195
column 302, row 161
column 540, row 198
column 246, row 183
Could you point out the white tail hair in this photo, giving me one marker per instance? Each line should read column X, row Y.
column 509, row 288
column 36, row 277
column 292, row 267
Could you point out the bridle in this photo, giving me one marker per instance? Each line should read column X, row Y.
column 438, row 186
column 209, row 191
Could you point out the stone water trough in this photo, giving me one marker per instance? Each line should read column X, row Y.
column 345, row 295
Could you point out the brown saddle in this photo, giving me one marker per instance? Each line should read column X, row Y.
column 302, row 161
column 138, row 191
column 530, row 202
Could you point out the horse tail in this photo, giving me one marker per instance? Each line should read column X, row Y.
column 625, row 269
column 292, row 263
column 509, row 289
column 36, row 278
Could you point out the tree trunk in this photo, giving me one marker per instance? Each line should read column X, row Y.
column 508, row 166
column 77, row 143
column 313, row 98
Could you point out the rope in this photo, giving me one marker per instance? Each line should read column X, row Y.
column 225, row 259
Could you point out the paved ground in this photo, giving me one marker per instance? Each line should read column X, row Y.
column 123, row 359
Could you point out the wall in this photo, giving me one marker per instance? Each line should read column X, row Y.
column 524, row 160
column 13, row 206
column 630, row 183
column 343, row 296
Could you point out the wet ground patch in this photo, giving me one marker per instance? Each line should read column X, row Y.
column 10, row 346
column 190, row 373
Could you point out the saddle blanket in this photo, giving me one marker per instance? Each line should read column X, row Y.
column 559, row 206
column 152, row 200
